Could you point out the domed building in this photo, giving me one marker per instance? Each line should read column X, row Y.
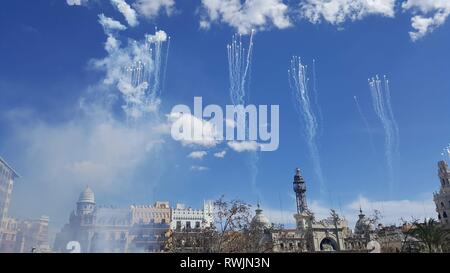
column 260, row 221
column 260, row 231
column 86, row 202
column 363, row 225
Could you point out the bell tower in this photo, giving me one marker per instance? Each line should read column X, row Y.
column 442, row 197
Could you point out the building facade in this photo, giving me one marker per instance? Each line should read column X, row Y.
column 139, row 228
column 32, row 235
column 312, row 235
column 7, row 177
column 442, row 197
column 188, row 218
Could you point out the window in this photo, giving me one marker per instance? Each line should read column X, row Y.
column 188, row 225
column 197, row 224
column 444, row 214
column 178, row 225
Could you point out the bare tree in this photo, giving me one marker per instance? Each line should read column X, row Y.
column 231, row 232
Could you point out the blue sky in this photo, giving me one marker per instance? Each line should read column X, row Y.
column 47, row 49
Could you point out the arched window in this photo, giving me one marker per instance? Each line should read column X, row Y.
column 444, row 214
column 439, row 216
column 442, row 204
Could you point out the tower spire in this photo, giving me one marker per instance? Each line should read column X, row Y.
column 300, row 192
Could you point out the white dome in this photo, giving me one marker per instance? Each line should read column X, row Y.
column 87, row 196
column 260, row 220
column 363, row 224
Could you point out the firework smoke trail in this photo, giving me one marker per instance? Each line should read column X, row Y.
column 391, row 115
column 299, row 84
column 382, row 106
column 239, row 63
column 366, row 123
column 316, row 98
column 141, row 85
column 239, row 68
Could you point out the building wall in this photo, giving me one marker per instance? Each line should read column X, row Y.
column 7, row 230
column 187, row 218
column 145, row 214
column 8, row 235
column 32, row 236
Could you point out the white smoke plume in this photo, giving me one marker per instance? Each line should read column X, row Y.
column 381, row 98
column 109, row 24
column 239, row 68
column 137, row 71
column 366, row 123
column 127, row 11
column 298, row 80
column 95, row 147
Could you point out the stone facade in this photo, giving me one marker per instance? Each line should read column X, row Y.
column 442, row 197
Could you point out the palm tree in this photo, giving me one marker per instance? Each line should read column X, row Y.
column 430, row 233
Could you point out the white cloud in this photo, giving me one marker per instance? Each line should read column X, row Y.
column 185, row 125
column 198, row 154
column 245, row 16
column 76, row 2
column 243, row 146
column 199, row 168
column 430, row 15
column 151, row 8
column 338, row 11
column 127, row 11
column 220, row 154
column 393, row 211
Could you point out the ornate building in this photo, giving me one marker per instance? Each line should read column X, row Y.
column 109, row 229
column 320, row 235
column 442, row 198
column 312, row 235
column 333, row 233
